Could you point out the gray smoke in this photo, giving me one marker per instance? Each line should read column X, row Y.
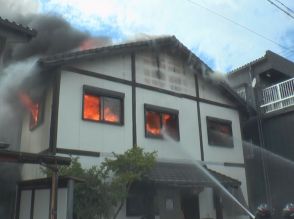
column 21, row 72
column 54, row 35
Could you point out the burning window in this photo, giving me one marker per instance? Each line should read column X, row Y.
column 161, row 122
column 219, row 132
column 101, row 105
column 35, row 108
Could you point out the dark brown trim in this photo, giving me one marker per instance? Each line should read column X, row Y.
column 217, row 104
column 101, row 93
column 32, row 204
column 230, row 164
column 134, row 96
column 96, row 75
column 54, row 113
column 77, row 152
column 199, row 119
column 45, row 183
column 144, row 86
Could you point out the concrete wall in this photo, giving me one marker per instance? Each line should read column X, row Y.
column 170, row 73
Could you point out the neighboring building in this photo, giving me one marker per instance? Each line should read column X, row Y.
column 10, row 34
column 267, row 84
column 155, row 94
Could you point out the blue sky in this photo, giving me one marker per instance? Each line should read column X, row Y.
column 220, row 43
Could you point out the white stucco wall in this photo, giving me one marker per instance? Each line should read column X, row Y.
column 41, row 204
column 209, row 91
column 25, row 204
column 172, row 74
column 222, row 154
column 118, row 66
column 75, row 133
column 206, row 204
column 37, row 140
column 188, row 147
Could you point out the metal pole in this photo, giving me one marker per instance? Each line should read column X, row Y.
column 54, row 192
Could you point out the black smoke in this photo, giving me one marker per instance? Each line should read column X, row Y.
column 54, row 35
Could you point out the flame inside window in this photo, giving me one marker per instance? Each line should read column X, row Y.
column 159, row 124
column 32, row 107
column 111, row 109
column 91, row 107
column 101, row 108
column 153, row 124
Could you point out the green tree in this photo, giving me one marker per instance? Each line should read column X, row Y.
column 105, row 187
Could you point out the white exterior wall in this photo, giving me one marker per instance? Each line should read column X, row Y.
column 188, row 147
column 222, row 154
column 118, row 66
column 25, row 204
column 42, row 203
column 37, row 140
column 206, row 205
column 209, row 91
column 173, row 74
column 75, row 133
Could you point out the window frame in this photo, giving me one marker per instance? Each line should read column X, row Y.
column 41, row 101
column 100, row 92
column 160, row 110
column 223, row 121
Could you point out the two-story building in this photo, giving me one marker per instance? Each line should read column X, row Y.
column 155, row 94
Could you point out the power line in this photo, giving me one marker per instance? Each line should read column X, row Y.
column 281, row 9
column 289, row 9
column 240, row 25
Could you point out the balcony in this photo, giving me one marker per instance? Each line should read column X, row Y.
column 278, row 96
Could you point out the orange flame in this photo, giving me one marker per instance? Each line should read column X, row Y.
column 91, row 107
column 153, row 123
column 110, row 116
column 33, row 108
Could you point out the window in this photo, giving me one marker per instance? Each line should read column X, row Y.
column 34, row 107
column 241, row 91
column 219, row 132
column 161, row 122
column 36, row 116
column 100, row 105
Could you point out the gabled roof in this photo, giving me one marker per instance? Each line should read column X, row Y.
column 170, row 42
column 17, row 27
column 154, row 43
column 275, row 61
column 186, row 175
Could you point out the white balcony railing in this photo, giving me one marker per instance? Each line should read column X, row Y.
column 278, row 96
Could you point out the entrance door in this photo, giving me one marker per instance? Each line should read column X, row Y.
column 190, row 206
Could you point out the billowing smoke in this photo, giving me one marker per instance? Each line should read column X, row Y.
column 20, row 71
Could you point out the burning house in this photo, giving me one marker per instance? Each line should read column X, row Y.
column 153, row 93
